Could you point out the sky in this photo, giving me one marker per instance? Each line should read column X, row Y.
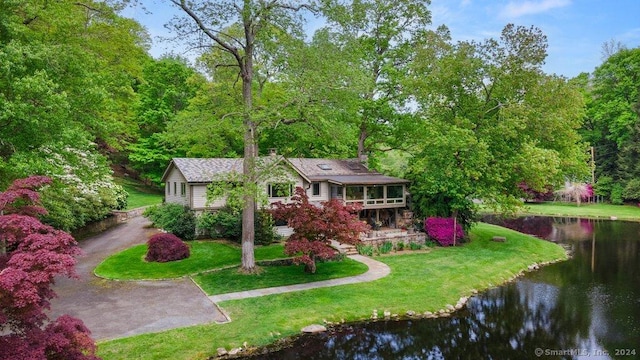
column 575, row 29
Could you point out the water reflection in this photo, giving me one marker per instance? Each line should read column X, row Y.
column 589, row 305
column 550, row 228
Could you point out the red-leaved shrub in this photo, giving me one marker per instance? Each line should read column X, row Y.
column 32, row 256
column 314, row 227
column 441, row 230
column 166, row 247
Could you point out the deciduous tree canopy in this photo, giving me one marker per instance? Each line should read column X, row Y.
column 491, row 119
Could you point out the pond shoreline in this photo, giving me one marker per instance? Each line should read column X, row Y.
column 333, row 328
column 591, row 300
column 420, row 282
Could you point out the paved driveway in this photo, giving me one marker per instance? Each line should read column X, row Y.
column 112, row 309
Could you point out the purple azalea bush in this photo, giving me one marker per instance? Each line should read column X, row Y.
column 441, row 230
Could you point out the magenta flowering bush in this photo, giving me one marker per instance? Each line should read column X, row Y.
column 588, row 192
column 441, row 230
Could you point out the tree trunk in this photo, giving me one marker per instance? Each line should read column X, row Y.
column 249, row 209
column 362, row 151
column 310, row 268
column 455, row 226
column 248, row 167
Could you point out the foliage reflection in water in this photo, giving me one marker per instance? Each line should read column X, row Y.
column 586, row 307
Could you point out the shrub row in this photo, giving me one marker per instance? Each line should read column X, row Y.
column 225, row 223
column 173, row 218
column 387, row 246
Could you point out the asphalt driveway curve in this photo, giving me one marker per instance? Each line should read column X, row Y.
column 114, row 309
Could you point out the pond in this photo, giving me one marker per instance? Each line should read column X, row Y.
column 585, row 308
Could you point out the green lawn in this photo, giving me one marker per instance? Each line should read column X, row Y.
column 622, row 212
column 228, row 280
column 418, row 281
column 205, row 255
column 139, row 194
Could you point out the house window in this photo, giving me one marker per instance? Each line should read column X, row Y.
column 175, row 188
column 395, row 194
column 183, row 189
column 375, row 192
column 315, row 189
column 279, row 190
column 355, row 193
column 375, row 195
column 168, row 188
column 336, row 192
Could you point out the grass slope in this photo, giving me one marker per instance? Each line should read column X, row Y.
column 622, row 212
column 139, row 194
column 418, row 281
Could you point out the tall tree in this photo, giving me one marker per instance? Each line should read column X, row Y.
column 167, row 87
column 208, row 23
column 379, row 38
column 613, row 114
column 491, row 120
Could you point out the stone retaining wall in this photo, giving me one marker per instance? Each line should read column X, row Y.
column 376, row 238
column 129, row 214
column 95, row 227
column 116, row 217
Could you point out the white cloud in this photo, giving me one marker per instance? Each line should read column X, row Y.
column 441, row 14
column 631, row 38
column 517, row 9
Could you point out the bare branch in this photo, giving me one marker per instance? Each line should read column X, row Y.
column 225, row 65
column 227, row 47
column 88, row 7
column 230, row 114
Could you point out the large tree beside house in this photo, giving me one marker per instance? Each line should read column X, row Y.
column 377, row 39
column 491, row 120
column 210, row 23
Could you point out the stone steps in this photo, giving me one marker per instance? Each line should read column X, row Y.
column 344, row 248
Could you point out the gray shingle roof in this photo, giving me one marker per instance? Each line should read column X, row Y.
column 337, row 171
column 205, row 170
column 313, row 168
column 341, row 172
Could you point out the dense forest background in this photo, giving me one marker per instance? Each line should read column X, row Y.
column 81, row 99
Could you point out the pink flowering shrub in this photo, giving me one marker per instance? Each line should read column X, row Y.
column 165, row 248
column 441, row 230
column 588, row 192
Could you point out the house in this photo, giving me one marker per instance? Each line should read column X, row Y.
column 381, row 196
